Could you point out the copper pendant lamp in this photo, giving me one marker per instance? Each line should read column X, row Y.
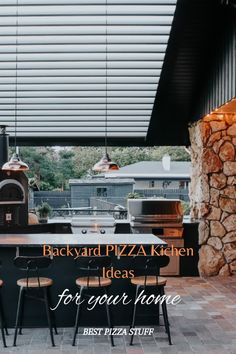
column 105, row 164
column 15, row 163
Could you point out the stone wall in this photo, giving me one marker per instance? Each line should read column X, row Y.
column 213, row 192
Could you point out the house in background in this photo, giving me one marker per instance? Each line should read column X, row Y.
column 169, row 179
column 100, row 192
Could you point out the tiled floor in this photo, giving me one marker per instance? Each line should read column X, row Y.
column 205, row 322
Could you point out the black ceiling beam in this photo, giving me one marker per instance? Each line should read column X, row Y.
column 77, row 141
column 193, row 48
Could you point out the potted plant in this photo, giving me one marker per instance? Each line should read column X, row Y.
column 44, row 210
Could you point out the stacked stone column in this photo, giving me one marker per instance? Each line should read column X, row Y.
column 213, row 192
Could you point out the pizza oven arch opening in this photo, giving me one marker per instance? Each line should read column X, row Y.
column 11, row 192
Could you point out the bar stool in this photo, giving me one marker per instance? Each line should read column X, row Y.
column 33, row 264
column 91, row 267
column 151, row 279
column 2, row 316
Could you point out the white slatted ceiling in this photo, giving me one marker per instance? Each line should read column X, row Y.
column 62, row 67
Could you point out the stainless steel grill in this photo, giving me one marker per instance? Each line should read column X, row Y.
column 97, row 224
column 163, row 218
column 159, row 216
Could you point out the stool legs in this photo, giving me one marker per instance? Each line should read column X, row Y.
column 18, row 312
column 78, row 314
column 21, row 314
column 165, row 315
column 2, row 316
column 48, row 311
column 134, row 315
column 164, row 311
column 3, row 334
column 3, row 326
column 52, row 312
column 77, row 317
column 109, row 319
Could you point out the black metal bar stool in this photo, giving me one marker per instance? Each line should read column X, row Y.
column 151, row 279
column 91, row 267
column 32, row 265
column 2, row 317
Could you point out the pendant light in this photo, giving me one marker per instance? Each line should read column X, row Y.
column 105, row 164
column 15, row 163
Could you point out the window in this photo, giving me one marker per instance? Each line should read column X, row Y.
column 181, row 184
column 165, row 184
column 101, row 192
column 151, row 184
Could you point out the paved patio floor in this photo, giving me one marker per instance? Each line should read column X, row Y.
column 205, row 322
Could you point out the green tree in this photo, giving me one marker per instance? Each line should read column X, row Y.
column 66, row 168
column 177, row 153
column 85, row 158
column 51, row 168
column 42, row 165
column 129, row 155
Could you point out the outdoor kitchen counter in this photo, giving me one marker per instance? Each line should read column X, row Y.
column 60, row 240
column 64, row 272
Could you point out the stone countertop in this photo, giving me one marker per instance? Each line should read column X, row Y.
column 186, row 220
column 60, row 240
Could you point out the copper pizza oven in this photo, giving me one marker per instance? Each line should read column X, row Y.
column 13, row 190
column 13, row 198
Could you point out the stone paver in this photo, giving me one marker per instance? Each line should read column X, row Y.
column 204, row 322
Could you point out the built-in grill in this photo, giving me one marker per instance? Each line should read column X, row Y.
column 163, row 218
column 96, row 224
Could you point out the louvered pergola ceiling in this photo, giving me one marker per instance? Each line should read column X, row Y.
column 62, row 67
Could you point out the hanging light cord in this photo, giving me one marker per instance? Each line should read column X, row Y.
column 16, row 67
column 106, row 46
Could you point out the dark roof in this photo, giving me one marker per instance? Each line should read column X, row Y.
column 199, row 71
column 98, row 181
column 154, row 169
